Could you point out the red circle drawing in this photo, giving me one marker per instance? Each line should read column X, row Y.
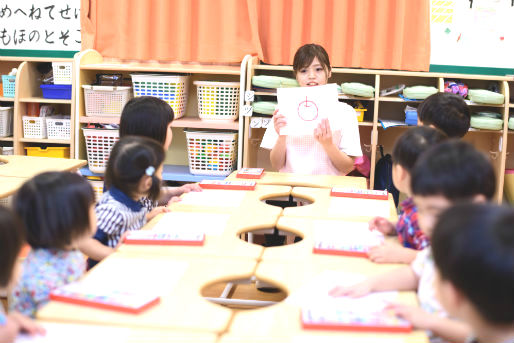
column 307, row 110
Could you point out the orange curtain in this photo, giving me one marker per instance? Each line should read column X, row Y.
column 377, row 34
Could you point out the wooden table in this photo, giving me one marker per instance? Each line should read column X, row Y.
column 181, row 307
column 9, row 185
column 325, row 206
column 294, row 180
column 283, row 319
column 28, row 166
column 231, row 201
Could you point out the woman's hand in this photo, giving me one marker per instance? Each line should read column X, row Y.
column 279, row 121
column 323, row 133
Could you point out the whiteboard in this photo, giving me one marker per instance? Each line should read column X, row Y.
column 42, row 28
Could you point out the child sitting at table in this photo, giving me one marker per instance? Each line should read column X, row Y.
column 325, row 151
column 451, row 172
column 447, row 112
column 12, row 239
column 406, row 150
column 57, row 210
column 473, row 249
column 133, row 173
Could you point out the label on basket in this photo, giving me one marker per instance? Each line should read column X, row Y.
column 236, row 185
column 250, row 173
column 80, row 294
column 147, row 237
column 359, row 193
column 247, row 110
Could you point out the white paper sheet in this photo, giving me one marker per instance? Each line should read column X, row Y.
column 359, row 207
column 210, row 224
column 214, row 198
column 304, row 107
column 345, row 235
column 66, row 333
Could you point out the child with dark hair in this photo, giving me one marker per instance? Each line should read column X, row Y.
column 407, row 149
column 449, row 173
column 473, row 249
column 133, row 173
column 12, row 239
column 57, row 210
column 447, row 112
column 334, row 144
column 151, row 117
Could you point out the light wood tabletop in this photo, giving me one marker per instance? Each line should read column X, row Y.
column 28, row 166
column 329, row 207
column 299, row 180
column 9, row 185
column 178, row 280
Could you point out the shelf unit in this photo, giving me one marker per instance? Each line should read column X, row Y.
column 493, row 143
column 27, row 91
column 90, row 62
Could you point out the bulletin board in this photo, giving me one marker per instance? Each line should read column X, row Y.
column 472, row 36
column 39, row 28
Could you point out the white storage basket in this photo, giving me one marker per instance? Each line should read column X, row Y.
column 171, row 88
column 99, row 143
column 106, row 101
column 34, row 127
column 62, row 73
column 6, row 115
column 98, row 188
column 211, row 153
column 58, row 127
column 218, row 100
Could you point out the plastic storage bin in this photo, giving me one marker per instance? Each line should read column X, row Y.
column 6, row 115
column 106, row 100
column 7, row 150
column 9, row 85
column 56, row 91
column 211, row 153
column 171, row 88
column 99, row 143
column 58, row 127
column 218, row 100
column 508, row 186
column 59, row 152
column 34, row 127
column 62, row 72
column 98, row 186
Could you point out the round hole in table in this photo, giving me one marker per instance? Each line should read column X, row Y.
column 283, row 202
column 270, row 237
column 244, row 294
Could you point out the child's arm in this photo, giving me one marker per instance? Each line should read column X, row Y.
column 383, row 225
column 94, row 249
column 339, row 159
column 401, row 279
column 157, row 210
column 278, row 153
column 449, row 329
column 171, row 192
column 391, row 253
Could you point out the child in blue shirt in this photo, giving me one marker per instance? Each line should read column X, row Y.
column 133, row 175
column 57, row 209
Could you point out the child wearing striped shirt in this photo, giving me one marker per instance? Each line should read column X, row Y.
column 133, row 175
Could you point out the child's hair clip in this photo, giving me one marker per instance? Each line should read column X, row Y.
column 150, row 170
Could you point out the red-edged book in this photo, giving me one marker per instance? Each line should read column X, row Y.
column 359, row 193
column 233, row 185
column 250, row 173
column 80, row 294
column 148, row 237
column 337, row 319
column 354, row 242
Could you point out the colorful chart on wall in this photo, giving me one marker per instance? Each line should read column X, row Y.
column 42, row 28
column 472, row 36
column 305, row 107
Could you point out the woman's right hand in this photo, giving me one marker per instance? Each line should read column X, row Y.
column 279, row 121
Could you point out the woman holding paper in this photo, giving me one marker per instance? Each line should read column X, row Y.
column 335, row 140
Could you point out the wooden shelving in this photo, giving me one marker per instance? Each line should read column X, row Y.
column 395, row 99
column 6, row 139
column 186, row 122
column 45, row 100
column 3, row 98
column 45, row 141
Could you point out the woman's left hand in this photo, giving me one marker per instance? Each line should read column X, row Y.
column 323, row 133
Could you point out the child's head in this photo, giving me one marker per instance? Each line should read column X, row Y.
column 311, row 65
column 450, row 172
column 57, row 209
column 135, row 167
column 147, row 116
column 407, row 149
column 12, row 237
column 447, row 112
column 473, row 248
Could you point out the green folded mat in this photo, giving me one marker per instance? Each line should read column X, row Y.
column 511, row 123
column 357, row 89
column 419, row 92
column 270, row 81
column 488, row 114
column 483, row 96
column 264, row 107
column 486, row 123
